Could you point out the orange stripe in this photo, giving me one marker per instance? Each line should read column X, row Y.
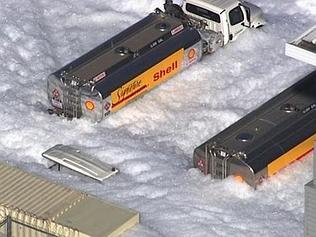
column 292, row 155
column 302, row 156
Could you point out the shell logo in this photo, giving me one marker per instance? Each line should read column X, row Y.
column 89, row 105
column 191, row 54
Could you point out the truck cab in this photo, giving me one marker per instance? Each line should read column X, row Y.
column 229, row 17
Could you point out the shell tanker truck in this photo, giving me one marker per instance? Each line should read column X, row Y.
column 146, row 54
column 272, row 136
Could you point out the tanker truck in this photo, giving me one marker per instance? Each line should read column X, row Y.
column 147, row 53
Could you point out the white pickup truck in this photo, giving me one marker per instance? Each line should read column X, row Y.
column 228, row 18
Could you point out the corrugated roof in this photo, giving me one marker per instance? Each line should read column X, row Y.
column 108, row 219
column 46, row 200
column 59, row 210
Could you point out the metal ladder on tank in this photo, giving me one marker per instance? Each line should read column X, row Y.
column 71, row 101
column 218, row 165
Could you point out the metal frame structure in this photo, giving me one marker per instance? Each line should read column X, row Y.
column 310, row 204
column 304, row 47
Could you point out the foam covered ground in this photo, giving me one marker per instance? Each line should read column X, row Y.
column 151, row 140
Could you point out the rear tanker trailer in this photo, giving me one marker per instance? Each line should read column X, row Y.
column 266, row 140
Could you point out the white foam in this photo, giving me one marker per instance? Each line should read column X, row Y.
column 152, row 140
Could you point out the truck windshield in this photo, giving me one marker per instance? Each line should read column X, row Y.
column 202, row 12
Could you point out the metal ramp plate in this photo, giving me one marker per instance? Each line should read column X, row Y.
column 80, row 162
column 304, row 47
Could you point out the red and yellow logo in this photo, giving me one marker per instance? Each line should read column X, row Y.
column 192, row 54
column 89, row 105
column 147, row 80
column 166, row 71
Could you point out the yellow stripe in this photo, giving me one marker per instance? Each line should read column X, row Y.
column 292, row 155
